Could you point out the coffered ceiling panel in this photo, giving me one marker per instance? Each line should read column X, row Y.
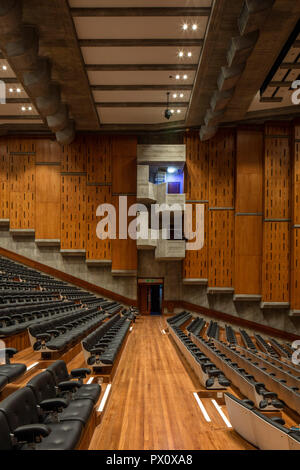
column 138, row 115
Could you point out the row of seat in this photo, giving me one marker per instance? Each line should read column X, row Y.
column 213, row 330
column 102, row 345
column 179, row 319
column 197, row 326
column 264, row 346
column 247, row 340
column 263, row 432
column 287, row 394
column 57, row 334
column 240, row 377
column 210, row 376
column 17, row 319
column 230, row 335
column 50, row 413
column 284, row 352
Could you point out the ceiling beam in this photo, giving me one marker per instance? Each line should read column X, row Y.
column 20, row 117
column 9, row 80
column 290, row 65
column 141, row 87
column 271, row 99
column 17, row 100
column 105, row 12
column 280, row 84
column 138, row 67
column 142, row 104
column 140, row 42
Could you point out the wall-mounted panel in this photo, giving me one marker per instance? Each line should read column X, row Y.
column 99, row 159
column 73, row 212
column 97, row 249
column 74, row 156
column 221, row 249
column 22, row 187
column 47, row 225
column 197, row 162
column 124, row 251
column 4, row 181
column 48, row 151
column 195, row 264
column 124, row 165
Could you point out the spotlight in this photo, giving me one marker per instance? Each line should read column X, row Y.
column 172, row 111
column 11, row 90
column 177, row 77
column 180, row 53
column 189, row 54
column 4, row 67
column 171, row 170
column 175, row 95
column 185, row 77
column 29, row 108
column 178, row 111
column 168, row 114
column 194, row 27
column 23, row 108
column 18, row 90
column 185, row 27
column 181, row 95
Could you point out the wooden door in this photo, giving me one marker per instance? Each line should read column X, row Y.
column 144, row 299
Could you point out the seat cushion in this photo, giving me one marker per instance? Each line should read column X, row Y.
column 63, row 436
column 77, row 410
column 12, row 371
column 91, row 391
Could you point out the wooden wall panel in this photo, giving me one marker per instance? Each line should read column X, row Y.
column 22, row 190
column 124, row 252
column 4, row 181
column 73, row 212
column 48, row 151
column 47, row 225
column 249, row 207
column 277, row 215
column 295, row 226
column 195, row 264
column 74, row 156
column 276, row 262
column 99, row 160
column 124, row 165
column 221, row 169
column 196, row 175
column 97, row 249
column 221, row 249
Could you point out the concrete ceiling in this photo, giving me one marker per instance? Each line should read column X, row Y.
column 115, row 61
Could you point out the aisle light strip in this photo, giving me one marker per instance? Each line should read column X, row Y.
column 90, row 380
column 32, row 366
column 163, row 332
column 131, row 328
column 105, row 397
column 202, row 408
column 221, row 413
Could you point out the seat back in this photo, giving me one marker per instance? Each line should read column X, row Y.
column 5, row 440
column 59, row 371
column 43, row 386
column 20, row 408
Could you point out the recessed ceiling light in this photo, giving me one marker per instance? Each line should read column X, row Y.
column 172, row 111
column 4, row 67
column 181, row 95
column 180, row 53
column 177, row 77
column 194, row 27
column 23, row 108
column 171, row 170
column 185, row 26
column 178, row 111
column 11, row 90
column 189, row 54
column 185, row 77
column 29, row 108
column 18, row 90
column 175, row 95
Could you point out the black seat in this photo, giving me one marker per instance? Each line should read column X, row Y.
column 53, row 407
column 22, row 417
column 3, row 382
column 8, row 370
column 60, row 373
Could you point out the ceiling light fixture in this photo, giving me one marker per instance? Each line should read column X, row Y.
column 23, row 108
column 11, row 90
column 185, row 77
column 171, row 170
column 178, row 111
column 177, row 77
column 180, row 53
column 185, row 26
column 18, row 90
column 175, row 95
column 194, row 27
column 4, row 67
column 189, row 54
column 181, row 95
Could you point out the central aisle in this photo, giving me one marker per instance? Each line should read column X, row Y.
column 152, row 406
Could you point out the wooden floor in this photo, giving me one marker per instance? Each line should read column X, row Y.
column 152, row 406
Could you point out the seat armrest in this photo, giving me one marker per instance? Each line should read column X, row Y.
column 68, row 385
column 54, row 332
column 97, row 350
column 80, row 373
column 44, row 336
column 10, row 352
column 29, row 432
column 53, row 404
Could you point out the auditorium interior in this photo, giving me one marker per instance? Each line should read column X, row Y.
column 150, row 225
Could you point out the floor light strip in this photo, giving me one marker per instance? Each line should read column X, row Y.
column 131, row 328
column 90, row 380
column 105, row 397
column 221, row 413
column 202, row 408
column 32, row 366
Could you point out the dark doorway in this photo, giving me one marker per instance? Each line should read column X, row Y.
column 150, row 297
column 174, row 188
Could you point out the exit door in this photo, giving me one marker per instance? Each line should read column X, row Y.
column 150, row 298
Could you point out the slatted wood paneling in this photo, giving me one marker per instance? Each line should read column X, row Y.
column 97, row 249
column 74, row 156
column 277, row 214
column 249, row 208
column 124, row 252
column 195, row 264
column 22, row 188
column 221, row 221
column 295, row 225
column 99, row 160
column 73, row 212
column 4, row 181
column 124, row 165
